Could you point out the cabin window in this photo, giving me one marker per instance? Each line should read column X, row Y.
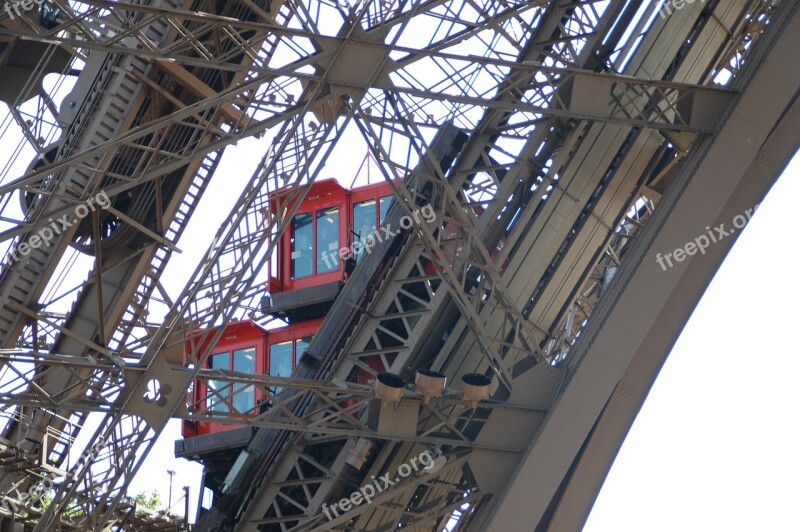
column 385, row 203
column 280, row 361
column 301, row 346
column 240, row 395
column 244, row 396
column 282, row 356
column 315, row 242
column 367, row 216
column 363, row 223
column 328, row 240
column 302, row 245
column 216, row 389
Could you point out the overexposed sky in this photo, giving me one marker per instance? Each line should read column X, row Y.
column 715, row 446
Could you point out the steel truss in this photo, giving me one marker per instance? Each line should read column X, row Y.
column 303, row 506
column 345, row 402
column 131, row 374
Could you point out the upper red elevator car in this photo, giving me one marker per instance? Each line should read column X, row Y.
column 313, row 254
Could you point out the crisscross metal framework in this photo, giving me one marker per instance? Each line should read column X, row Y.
column 531, row 83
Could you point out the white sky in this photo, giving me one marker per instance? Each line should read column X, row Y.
column 715, row 446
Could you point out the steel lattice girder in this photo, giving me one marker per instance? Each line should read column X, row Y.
column 590, row 96
column 259, row 521
column 339, row 417
column 727, row 176
column 583, row 95
column 477, row 149
column 65, row 332
column 128, row 433
column 475, row 101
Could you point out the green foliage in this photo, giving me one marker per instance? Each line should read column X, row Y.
column 151, row 502
column 47, row 498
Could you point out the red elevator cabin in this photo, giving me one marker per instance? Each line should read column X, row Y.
column 245, row 347
column 312, row 254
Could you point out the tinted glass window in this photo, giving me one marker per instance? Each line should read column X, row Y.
column 386, row 202
column 216, row 403
column 363, row 222
column 301, row 345
column 328, row 240
column 244, row 396
column 302, row 245
column 280, row 361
